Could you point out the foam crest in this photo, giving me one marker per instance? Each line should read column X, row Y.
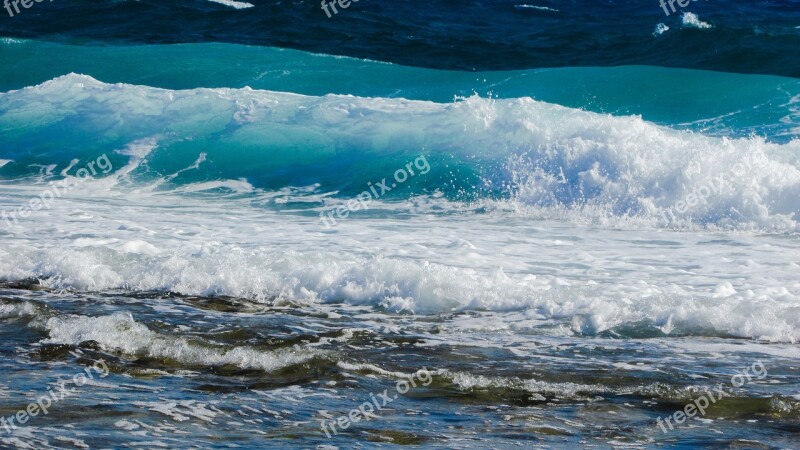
column 691, row 20
column 119, row 332
column 15, row 310
column 233, row 4
column 397, row 285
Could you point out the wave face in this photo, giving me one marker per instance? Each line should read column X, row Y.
column 545, row 159
column 172, row 169
column 721, row 104
column 439, row 34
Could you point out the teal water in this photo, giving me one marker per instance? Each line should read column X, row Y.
column 715, row 102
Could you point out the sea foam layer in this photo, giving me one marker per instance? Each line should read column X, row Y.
column 560, row 277
column 677, row 305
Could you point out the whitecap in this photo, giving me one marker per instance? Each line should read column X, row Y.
column 536, row 7
column 233, row 4
column 691, row 20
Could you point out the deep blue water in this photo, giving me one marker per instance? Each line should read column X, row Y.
column 749, row 36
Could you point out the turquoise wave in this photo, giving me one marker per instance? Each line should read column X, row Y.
column 709, row 102
column 522, row 151
column 329, row 128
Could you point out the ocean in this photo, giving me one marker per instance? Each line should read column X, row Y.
column 498, row 224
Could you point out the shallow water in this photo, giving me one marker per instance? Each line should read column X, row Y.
column 571, row 335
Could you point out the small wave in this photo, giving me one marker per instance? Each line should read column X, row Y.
column 391, row 284
column 660, row 29
column 536, row 7
column 233, row 4
column 121, row 333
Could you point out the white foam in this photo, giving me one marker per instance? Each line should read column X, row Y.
column 140, row 247
column 760, row 305
column 119, row 332
column 233, row 4
column 372, row 368
column 467, row 381
column 14, row 310
column 536, row 7
column 691, row 20
column 179, row 410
